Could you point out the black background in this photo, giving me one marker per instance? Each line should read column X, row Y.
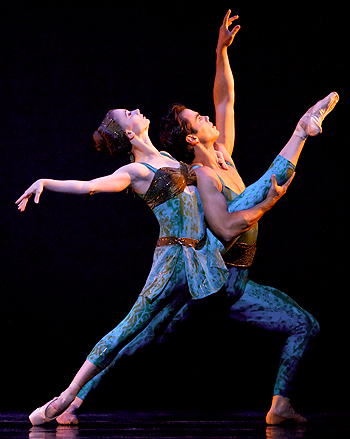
column 73, row 266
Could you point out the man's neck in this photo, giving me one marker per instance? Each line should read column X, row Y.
column 206, row 155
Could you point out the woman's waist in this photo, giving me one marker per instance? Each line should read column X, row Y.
column 194, row 231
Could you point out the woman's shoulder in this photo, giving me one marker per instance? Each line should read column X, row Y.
column 135, row 169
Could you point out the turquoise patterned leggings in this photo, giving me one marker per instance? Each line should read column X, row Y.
column 265, row 307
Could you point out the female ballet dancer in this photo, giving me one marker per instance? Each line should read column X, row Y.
column 187, row 255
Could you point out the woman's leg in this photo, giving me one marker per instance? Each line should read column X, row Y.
column 109, row 346
column 143, row 339
column 284, row 164
column 256, row 192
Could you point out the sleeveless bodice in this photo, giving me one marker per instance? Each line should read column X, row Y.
column 176, row 203
column 169, row 182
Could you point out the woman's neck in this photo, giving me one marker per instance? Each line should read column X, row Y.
column 143, row 149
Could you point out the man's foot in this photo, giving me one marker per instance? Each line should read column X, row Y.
column 281, row 411
column 311, row 123
column 69, row 417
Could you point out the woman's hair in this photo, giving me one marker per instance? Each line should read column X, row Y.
column 111, row 137
column 172, row 134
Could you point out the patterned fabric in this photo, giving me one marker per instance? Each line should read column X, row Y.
column 272, row 310
column 139, row 316
column 264, row 307
column 249, row 302
column 180, row 214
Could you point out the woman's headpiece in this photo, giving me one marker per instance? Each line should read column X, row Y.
column 115, row 136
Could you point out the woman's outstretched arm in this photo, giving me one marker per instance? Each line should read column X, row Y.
column 134, row 175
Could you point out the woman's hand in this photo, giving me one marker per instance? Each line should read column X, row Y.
column 35, row 189
column 225, row 35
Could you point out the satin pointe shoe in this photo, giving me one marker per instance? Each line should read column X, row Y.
column 39, row 417
column 281, row 411
column 311, row 123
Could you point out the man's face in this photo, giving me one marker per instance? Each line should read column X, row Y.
column 205, row 130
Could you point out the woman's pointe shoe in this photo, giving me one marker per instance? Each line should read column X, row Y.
column 311, row 123
column 39, row 416
column 281, row 410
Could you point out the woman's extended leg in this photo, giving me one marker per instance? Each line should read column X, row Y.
column 109, row 346
column 284, row 164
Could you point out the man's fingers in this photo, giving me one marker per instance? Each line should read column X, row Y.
column 235, row 30
column 232, row 19
column 226, row 18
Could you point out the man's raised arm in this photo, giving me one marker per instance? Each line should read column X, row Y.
column 224, row 85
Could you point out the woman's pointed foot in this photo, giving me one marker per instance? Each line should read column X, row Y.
column 281, row 411
column 311, row 123
column 49, row 411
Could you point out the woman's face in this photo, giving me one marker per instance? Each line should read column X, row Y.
column 131, row 120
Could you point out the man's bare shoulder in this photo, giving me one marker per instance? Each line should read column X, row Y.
column 207, row 176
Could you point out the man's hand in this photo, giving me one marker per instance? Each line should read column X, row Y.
column 225, row 35
column 221, row 160
column 276, row 192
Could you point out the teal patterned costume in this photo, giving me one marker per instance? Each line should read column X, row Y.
column 165, row 309
column 267, row 307
column 179, row 272
column 262, row 306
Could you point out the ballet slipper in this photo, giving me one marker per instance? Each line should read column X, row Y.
column 281, row 411
column 311, row 123
column 59, row 404
column 38, row 417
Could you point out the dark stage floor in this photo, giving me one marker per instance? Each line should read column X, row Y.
column 172, row 425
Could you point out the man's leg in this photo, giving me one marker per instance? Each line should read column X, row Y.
column 272, row 310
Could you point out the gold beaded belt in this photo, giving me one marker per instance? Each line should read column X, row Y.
column 197, row 244
column 240, row 255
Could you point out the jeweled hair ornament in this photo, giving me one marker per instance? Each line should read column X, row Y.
column 115, row 136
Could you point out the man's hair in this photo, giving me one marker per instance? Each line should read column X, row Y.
column 172, row 134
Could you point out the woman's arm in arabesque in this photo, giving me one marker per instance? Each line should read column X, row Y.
column 133, row 175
